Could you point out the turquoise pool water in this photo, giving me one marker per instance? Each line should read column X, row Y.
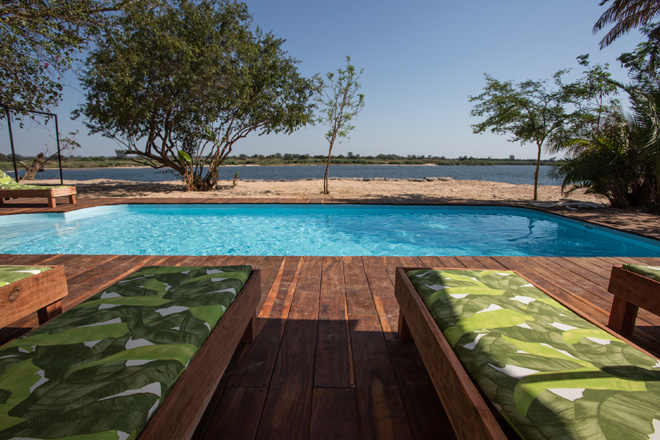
column 332, row 230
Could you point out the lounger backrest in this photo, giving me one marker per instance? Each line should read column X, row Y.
column 6, row 179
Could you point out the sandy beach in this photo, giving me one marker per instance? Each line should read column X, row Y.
column 457, row 190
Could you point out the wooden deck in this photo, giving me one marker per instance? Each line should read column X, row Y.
column 327, row 362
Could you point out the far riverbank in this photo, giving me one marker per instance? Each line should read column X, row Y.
column 512, row 174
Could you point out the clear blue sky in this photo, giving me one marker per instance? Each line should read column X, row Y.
column 421, row 60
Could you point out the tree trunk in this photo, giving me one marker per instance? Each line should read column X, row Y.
column 536, row 174
column 37, row 165
column 326, row 188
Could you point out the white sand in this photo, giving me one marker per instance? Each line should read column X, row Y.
column 464, row 190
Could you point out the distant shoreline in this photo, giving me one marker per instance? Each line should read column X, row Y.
column 503, row 173
column 125, row 167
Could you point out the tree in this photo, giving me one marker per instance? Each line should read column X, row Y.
column 529, row 111
column 627, row 15
column 619, row 157
column 43, row 158
column 340, row 103
column 179, row 85
column 38, row 43
column 609, row 163
column 644, row 97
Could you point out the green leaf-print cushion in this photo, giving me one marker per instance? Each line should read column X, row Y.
column 550, row 373
column 101, row 369
column 6, row 179
column 10, row 274
column 7, row 182
column 647, row 271
column 22, row 186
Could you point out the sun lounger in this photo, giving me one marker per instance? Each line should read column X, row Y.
column 633, row 287
column 503, row 354
column 9, row 188
column 26, row 289
column 149, row 350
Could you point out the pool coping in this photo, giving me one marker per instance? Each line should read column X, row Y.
column 642, row 224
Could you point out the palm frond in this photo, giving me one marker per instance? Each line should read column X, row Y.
column 626, row 15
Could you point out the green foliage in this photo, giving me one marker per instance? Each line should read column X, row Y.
column 191, row 76
column 529, row 111
column 71, row 161
column 627, row 15
column 593, row 97
column 39, row 41
column 643, row 63
column 340, row 102
column 608, row 166
column 619, row 157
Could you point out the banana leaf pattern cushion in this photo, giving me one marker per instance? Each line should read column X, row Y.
column 100, row 370
column 6, row 179
column 22, row 186
column 7, row 182
column 647, row 271
column 9, row 274
column 550, row 373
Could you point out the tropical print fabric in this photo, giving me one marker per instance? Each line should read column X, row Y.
column 7, row 182
column 10, row 274
column 647, row 271
column 100, row 370
column 6, row 179
column 550, row 373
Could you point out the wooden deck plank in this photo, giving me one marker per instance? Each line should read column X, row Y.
column 471, row 262
column 236, row 416
column 270, row 268
column 333, row 366
column 334, row 414
column 578, row 285
column 258, row 362
column 594, row 287
column 106, row 271
column 417, row 392
column 382, row 415
column 490, row 263
column 599, row 267
column 287, row 410
column 382, row 288
column 586, row 268
column 272, row 392
column 23, row 260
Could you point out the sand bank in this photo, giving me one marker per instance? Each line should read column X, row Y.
column 464, row 190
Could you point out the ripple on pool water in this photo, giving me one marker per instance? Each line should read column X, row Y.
column 332, row 230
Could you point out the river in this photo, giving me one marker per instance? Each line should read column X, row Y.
column 516, row 174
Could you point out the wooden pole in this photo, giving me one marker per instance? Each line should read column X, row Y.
column 59, row 151
column 11, row 142
column 11, row 137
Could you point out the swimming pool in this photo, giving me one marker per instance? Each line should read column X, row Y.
column 331, row 230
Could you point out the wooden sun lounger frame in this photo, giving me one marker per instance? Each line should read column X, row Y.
column 42, row 292
column 49, row 193
column 631, row 291
column 471, row 414
column 179, row 415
